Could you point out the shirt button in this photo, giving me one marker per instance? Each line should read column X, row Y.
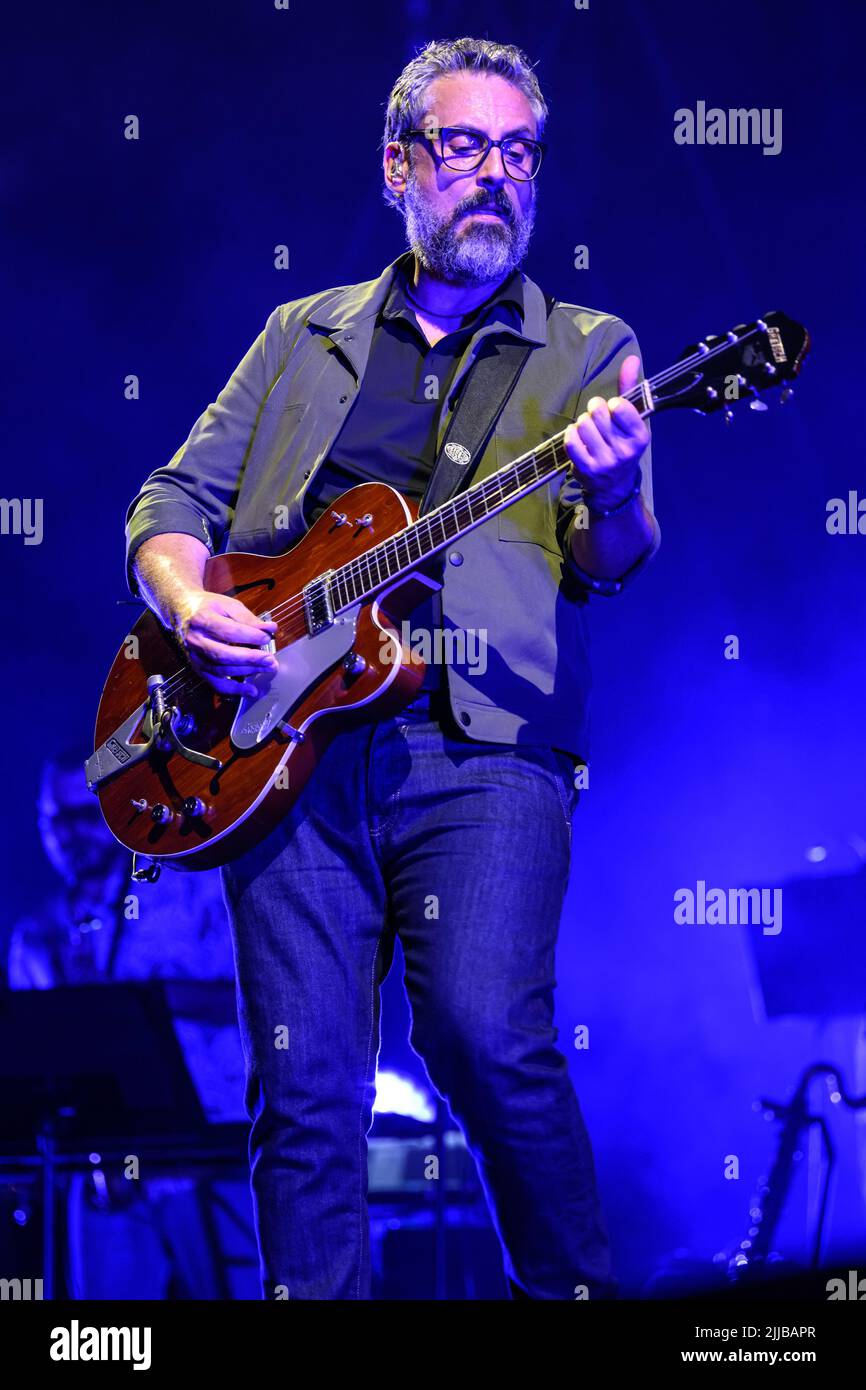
column 348, row 338
column 455, row 557
column 308, row 472
column 465, row 718
column 343, row 400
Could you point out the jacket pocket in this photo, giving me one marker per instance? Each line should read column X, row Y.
column 532, row 520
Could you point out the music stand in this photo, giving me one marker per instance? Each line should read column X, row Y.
column 815, row 967
column 86, row 1063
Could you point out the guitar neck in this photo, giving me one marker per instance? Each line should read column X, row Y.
column 752, row 356
column 448, row 523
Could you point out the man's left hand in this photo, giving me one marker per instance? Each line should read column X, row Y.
column 607, row 441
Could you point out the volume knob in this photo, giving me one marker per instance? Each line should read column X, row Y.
column 354, row 663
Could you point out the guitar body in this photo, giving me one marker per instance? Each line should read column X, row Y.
column 312, row 695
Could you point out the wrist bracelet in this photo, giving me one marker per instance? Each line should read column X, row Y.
column 620, row 506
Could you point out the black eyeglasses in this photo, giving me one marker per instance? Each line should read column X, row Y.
column 467, row 149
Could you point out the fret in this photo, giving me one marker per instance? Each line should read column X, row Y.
column 366, row 571
column 404, row 541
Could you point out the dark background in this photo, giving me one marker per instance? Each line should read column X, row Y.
column 155, row 257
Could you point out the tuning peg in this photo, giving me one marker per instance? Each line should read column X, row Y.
column 786, row 395
column 758, row 405
column 728, row 416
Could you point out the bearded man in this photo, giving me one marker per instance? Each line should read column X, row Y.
column 451, row 823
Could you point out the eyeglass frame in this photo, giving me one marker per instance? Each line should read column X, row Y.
column 437, row 131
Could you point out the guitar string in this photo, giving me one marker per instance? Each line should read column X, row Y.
column 289, row 608
column 354, row 568
column 286, row 611
column 484, row 489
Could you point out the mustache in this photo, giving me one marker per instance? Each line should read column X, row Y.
column 505, row 210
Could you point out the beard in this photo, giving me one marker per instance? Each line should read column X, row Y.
column 467, row 252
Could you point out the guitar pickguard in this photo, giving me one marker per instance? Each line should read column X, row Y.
column 301, row 665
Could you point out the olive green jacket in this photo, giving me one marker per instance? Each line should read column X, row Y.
column 238, row 483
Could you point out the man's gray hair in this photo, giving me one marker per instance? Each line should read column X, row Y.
column 443, row 56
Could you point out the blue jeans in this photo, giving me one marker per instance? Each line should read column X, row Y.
column 464, row 849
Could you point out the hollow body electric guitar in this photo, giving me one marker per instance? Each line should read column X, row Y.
column 191, row 778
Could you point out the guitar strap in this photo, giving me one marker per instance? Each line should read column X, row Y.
column 489, row 383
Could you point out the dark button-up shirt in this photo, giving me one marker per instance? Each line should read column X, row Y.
column 391, row 431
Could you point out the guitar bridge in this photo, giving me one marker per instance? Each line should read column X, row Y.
column 318, row 609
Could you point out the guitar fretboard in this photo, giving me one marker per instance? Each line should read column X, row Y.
column 453, row 519
column 391, row 558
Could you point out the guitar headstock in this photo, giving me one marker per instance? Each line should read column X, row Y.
column 726, row 368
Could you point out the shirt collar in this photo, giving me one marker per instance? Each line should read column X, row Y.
column 348, row 315
column 396, row 305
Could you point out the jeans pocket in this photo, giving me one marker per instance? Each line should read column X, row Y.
column 563, row 767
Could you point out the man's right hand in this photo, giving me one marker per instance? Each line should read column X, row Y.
column 223, row 640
